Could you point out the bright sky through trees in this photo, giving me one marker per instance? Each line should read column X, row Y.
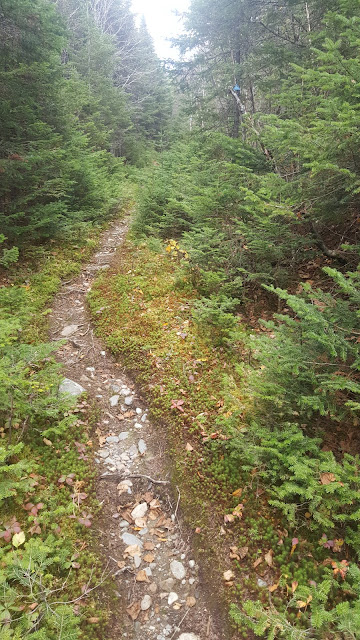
column 162, row 22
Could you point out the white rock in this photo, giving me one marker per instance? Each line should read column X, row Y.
column 191, row 580
column 137, row 425
column 191, row 564
column 146, row 603
column 172, row 597
column 123, row 435
column 71, row 387
column 69, row 330
column 114, row 401
column 142, row 447
column 261, row 583
column 144, row 418
column 103, row 353
column 137, row 561
column 138, row 411
column 112, row 439
column 188, row 636
column 177, row 569
column 130, row 539
column 139, row 511
column 104, row 453
column 129, row 400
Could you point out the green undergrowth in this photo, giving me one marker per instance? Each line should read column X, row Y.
column 265, row 504
column 50, row 575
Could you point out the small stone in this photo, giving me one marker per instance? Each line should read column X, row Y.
column 133, row 451
column 123, row 435
column 124, row 523
column 188, row 636
column 71, row 387
column 183, row 556
column 143, row 531
column 115, row 388
column 153, row 587
column 103, row 353
column 114, row 401
column 142, row 447
column 69, row 330
column 130, row 539
column 146, row 603
column 104, row 453
column 112, row 439
column 191, row 580
column 191, row 564
column 139, row 511
column 137, row 425
column 129, row 400
column 168, row 584
column 137, row 561
column 177, row 569
column 172, row 597
column 138, row 411
column 144, row 418
column 148, row 571
column 261, row 583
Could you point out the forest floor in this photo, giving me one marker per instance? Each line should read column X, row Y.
column 160, row 592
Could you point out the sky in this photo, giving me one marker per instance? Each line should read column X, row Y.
column 161, row 22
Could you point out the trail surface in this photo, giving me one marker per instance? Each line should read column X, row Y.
column 160, row 595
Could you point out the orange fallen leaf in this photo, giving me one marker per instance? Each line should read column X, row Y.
column 257, row 562
column 93, row 620
column 327, row 478
column 269, row 558
column 189, row 447
column 273, row 587
column 149, row 557
column 237, row 493
column 133, row 610
column 141, row 576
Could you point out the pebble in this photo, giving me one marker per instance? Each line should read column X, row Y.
column 177, row 569
column 188, row 636
column 123, row 435
column 114, row 401
column 124, row 523
column 69, row 330
column 261, row 583
column 104, row 453
column 172, row 597
column 115, row 388
column 191, row 564
column 129, row 400
column 137, row 425
column 133, row 451
column 130, row 539
column 168, row 584
column 112, row 439
column 71, row 387
column 142, row 447
column 139, row 511
column 138, row 411
column 146, row 603
column 191, row 580
column 137, row 561
column 144, row 418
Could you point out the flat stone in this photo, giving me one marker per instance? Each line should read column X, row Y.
column 114, row 401
column 138, row 411
column 146, row 603
column 177, row 569
column 144, row 418
column 191, row 564
column 104, row 453
column 115, row 388
column 142, row 447
column 172, row 597
column 133, row 451
column 188, row 636
column 137, row 561
column 167, row 584
column 139, row 511
column 123, row 435
column 137, row 425
column 130, row 539
column 129, row 400
column 69, row 330
column 112, row 439
column 71, row 387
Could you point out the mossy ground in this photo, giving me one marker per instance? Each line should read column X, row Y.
column 143, row 310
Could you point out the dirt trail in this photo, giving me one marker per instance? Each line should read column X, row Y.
column 160, row 594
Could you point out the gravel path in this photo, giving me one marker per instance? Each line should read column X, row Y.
column 142, row 540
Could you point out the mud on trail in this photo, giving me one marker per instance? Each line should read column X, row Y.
column 161, row 593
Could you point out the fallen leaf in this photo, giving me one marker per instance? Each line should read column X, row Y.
column 149, row 557
column 93, row 620
column 243, row 552
column 237, row 493
column 149, row 546
column 18, row 539
column 228, row 575
column 47, row 442
column 190, row 601
column 132, row 550
column 273, row 587
column 269, row 558
column 133, row 610
column 189, row 447
column 228, row 518
column 257, row 562
column 327, row 478
column 294, row 586
column 141, row 576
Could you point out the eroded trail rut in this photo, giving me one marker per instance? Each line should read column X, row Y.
column 160, row 595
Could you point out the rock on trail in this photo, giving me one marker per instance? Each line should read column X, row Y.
column 140, row 536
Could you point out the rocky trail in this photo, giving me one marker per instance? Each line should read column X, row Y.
column 161, row 593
